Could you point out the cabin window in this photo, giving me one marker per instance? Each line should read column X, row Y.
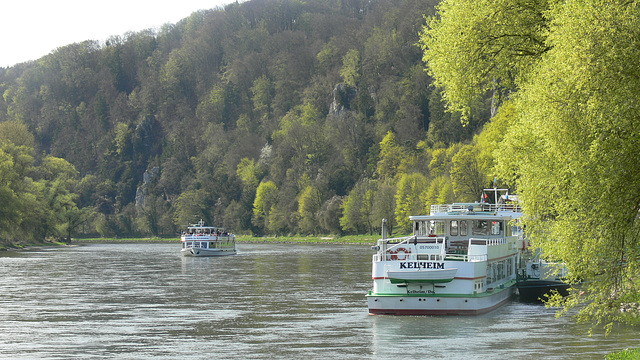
column 496, row 227
column 453, row 228
column 420, row 228
column 480, row 227
column 463, row 228
column 437, row 227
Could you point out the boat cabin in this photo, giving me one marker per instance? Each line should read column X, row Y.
column 460, row 232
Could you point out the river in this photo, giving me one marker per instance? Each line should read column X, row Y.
column 146, row 301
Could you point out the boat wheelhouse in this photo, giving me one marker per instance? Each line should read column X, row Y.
column 461, row 259
column 201, row 240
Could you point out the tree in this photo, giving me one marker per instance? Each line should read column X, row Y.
column 263, row 92
column 384, row 205
column 190, row 207
column 439, row 191
column 9, row 200
column 492, row 135
column 330, row 214
column 357, row 208
column 266, row 198
column 467, row 178
column 309, row 203
column 390, row 157
column 573, row 149
column 350, row 71
column 409, row 189
column 474, row 47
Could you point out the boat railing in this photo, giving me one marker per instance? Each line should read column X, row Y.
column 386, row 252
column 383, row 250
column 207, row 237
column 444, row 208
column 466, row 257
column 487, row 242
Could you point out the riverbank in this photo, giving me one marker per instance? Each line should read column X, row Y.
column 338, row 240
column 26, row 246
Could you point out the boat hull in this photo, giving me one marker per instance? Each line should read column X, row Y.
column 380, row 304
column 535, row 290
column 200, row 252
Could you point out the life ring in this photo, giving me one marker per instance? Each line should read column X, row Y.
column 405, row 253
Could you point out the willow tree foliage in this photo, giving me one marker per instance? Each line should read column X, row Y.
column 476, row 46
column 573, row 151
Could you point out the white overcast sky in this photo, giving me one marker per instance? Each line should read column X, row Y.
column 30, row 29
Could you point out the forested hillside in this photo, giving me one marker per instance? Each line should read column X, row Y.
column 266, row 117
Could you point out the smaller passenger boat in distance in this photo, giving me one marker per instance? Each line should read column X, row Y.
column 202, row 240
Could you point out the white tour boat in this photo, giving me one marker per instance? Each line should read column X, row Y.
column 201, row 240
column 461, row 259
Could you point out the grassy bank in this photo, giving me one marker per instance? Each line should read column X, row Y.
column 26, row 245
column 351, row 239
column 627, row 354
column 105, row 240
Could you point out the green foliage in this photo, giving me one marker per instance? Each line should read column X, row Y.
column 439, row 191
column 571, row 147
column 473, row 47
column 309, row 203
column 248, row 173
column 626, row 354
column 368, row 203
column 409, row 189
column 489, row 140
column 350, row 71
column 266, row 198
column 391, row 156
column 191, row 206
column 45, row 193
column 354, row 208
column 467, row 176
column 161, row 128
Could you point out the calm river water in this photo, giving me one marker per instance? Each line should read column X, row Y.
column 270, row 301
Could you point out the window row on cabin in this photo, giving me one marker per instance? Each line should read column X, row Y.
column 460, row 227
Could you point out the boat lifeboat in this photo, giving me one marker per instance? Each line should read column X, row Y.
column 422, row 276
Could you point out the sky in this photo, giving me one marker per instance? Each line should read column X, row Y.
column 31, row 29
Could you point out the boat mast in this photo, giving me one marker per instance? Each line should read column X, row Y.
column 384, row 229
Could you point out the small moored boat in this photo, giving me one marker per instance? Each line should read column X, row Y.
column 539, row 279
column 202, row 240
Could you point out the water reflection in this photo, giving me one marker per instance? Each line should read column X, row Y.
column 269, row 301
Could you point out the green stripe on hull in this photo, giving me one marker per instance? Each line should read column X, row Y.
column 507, row 286
column 404, row 281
